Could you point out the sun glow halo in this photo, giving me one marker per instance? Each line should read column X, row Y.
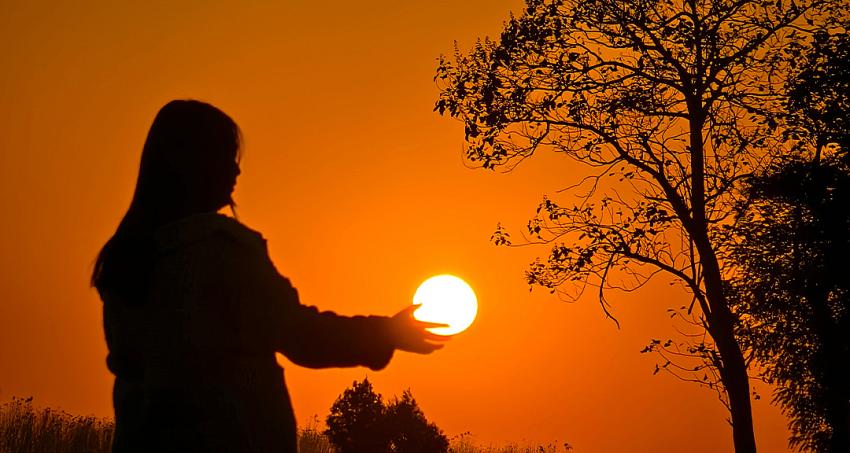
column 446, row 299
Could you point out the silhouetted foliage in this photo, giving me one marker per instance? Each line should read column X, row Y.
column 794, row 241
column 674, row 103
column 355, row 422
column 359, row 421
column 819, row 95
column 408, row 429
column 794, row 294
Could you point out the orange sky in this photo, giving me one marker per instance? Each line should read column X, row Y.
column 360, row 190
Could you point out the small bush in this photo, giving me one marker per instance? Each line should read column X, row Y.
column 360, row 421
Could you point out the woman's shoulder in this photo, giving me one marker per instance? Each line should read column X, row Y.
column 208, row 227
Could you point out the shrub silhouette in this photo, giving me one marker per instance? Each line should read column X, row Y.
column 356, row 418
column 360, row 421
column 408, row 429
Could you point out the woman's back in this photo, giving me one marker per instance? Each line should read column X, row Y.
column 188, row 371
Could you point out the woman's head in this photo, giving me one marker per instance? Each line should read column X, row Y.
column 189, row 165
column 189, row 162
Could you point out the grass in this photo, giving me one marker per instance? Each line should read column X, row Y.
column 463, row 444
column 27, row 429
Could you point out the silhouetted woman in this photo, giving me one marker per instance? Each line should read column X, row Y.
column 194, row 310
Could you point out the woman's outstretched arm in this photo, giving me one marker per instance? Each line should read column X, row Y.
column 271, row 316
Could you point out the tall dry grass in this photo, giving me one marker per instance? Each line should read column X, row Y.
column 463, row 444
column 25, row 429
column 311, row 440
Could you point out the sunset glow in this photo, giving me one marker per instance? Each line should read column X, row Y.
column 361, row 192
column 446, row 299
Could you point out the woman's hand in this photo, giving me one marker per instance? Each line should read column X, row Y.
column 409, row 334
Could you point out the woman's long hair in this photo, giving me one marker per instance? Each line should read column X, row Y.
column 187, row 167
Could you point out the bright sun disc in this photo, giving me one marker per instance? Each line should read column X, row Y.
column 446, row 299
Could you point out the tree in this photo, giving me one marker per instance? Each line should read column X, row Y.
column 409, row 430
column 794, row 239
column 818, row 103
column 356, row 421
column 794, row 297
column 360, row 421
column 674, row 104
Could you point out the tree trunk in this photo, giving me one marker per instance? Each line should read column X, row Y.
column 720, row 321
column 738, row 391
column 733, row 369
column 737, row 383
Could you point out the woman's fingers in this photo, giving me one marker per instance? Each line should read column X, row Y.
column 430, row 325
column 407, row 312
column 424, row 347
column 431, row 336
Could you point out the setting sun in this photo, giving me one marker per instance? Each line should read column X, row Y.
column 446, row 299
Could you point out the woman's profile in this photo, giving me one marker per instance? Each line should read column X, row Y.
column 194, row 310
